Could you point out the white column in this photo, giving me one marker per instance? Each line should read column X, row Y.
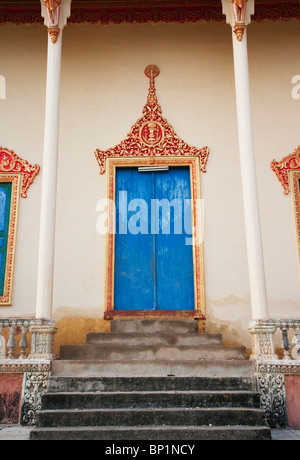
column 256, row 269
column 49, row 168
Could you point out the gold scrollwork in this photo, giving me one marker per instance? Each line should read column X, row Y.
column 14, row 179
column 12, row 163
column 282, row 168
column 296, row 196
column 152, row 135
column 193, row 164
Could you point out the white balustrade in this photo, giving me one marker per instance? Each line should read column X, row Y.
column 264, row 346
column 18, row 331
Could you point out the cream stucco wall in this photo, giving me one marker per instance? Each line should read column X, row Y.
column 103, row 93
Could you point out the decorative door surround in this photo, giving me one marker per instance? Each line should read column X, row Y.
column 152, row 141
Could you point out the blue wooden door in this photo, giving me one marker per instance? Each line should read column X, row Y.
column 5, row 200
column 153, row 262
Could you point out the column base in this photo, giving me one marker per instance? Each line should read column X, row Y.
column 42, row 342
column 262, row 338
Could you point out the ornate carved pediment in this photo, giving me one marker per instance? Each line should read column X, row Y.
column 152, row 135
column 282, row 168
column 11, row 163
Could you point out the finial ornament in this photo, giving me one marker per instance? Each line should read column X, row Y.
column 53, row 12
column 239, row 13
column 152, row 71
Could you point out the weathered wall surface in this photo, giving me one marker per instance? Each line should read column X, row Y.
column 103, row 93
column 10, row 398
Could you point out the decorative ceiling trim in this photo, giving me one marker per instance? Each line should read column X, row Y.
column 117, row 13
column 152, row 136
column 282, row 168
column 10, row 163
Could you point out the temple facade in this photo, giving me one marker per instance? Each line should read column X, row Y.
column 116, row 115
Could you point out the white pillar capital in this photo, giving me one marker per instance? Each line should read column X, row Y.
column 238, row 14
column 55, row 14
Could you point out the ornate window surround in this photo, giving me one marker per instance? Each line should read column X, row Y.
column 288, row 173
column 14, row 179
column 295, row 178
column 152, row 141
column 21, row 175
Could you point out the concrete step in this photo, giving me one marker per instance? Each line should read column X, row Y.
column 154, row 339
column 144, row 352
column 152, row 399
column 151, row 417
column 153, row 326
column 151, row 408
column 149, row 384
column 153, row 368
column 152, row 379
column 167, row 433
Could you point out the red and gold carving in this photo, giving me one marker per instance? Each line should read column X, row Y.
column 282, row 168
column 152, row 135
column 193, row 164
column 53, row 13
column 10, row 163
column 21, row 175
column 239, row 12
column 14, row 179
column 288, row 173
column 296, row 194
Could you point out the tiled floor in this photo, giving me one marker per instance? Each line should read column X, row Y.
column 16, row 433
column 286, row 435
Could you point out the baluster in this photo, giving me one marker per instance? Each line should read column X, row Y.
column 23, row 344
column 2, row 344
column 285, row 343
column 11, row 344
column 296, row 340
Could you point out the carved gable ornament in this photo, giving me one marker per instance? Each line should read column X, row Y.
column 152, row 136
column 10, row 163
column 282, row 168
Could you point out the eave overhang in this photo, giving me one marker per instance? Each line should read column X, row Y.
column 143, row 11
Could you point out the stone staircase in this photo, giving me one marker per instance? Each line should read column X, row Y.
column 152, row 380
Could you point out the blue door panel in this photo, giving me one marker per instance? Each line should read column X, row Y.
column 134, row 270
column 174, row 261
column 153, row 263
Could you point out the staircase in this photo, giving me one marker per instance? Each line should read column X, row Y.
column 152, row 380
